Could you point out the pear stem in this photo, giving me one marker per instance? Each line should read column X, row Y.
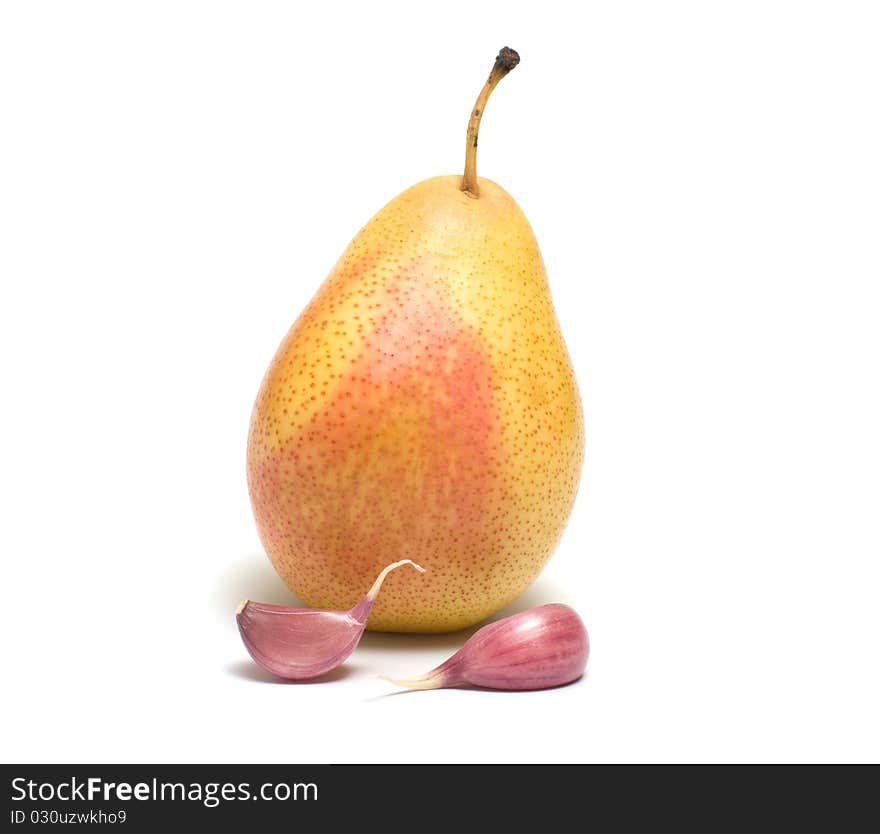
column 507, row 59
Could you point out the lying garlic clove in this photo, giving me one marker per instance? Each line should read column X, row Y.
column 537, row 649
column 303, row 643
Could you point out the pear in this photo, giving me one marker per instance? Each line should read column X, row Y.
column 422, row 406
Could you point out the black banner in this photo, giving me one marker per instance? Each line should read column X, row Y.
column 136, row 798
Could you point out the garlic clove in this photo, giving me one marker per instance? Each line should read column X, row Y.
column 297, row 643
column 540, row 648
column 304, row 643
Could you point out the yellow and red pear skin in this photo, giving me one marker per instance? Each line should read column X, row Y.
column 423, row 406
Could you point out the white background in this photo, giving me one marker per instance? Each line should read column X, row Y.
column 176, row 179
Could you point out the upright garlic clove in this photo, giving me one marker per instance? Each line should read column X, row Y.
column 304, row 643
column 536, row 649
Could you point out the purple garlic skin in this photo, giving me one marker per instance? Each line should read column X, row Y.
column 297, row 643
column 540, row 648
column 304, row 643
